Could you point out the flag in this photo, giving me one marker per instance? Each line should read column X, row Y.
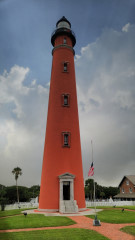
column 91, row 170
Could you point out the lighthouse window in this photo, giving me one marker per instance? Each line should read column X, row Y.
column 63, row 25
column 65, row 100
column 64, row 40
column 65, row 66
column 66, row 139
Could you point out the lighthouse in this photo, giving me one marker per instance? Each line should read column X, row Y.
column 62, row 185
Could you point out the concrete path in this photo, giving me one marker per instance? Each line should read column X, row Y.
column 88, row 211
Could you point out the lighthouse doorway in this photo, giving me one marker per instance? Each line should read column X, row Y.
column 66, row 186
column 66, row 190
column 67, row 204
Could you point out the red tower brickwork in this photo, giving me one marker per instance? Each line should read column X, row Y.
column 62, row 187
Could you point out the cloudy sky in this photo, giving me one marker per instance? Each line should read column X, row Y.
column 105, row 77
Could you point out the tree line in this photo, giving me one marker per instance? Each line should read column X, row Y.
column 8, row 194
column 101, row 192
column 12, row 194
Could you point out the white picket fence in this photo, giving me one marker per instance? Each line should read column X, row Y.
column 110, row 203
column 21, row 205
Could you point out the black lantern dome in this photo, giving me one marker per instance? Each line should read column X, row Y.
column 63, row 27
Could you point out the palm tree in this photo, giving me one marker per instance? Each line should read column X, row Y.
column 17, row 171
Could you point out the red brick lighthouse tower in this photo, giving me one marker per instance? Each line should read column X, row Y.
column 62, row 187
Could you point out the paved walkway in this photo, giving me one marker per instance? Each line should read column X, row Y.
column 112, row 231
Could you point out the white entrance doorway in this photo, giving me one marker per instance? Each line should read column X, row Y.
column 67, row 204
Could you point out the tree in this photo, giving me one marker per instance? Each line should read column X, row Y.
column 89, row 189
column 24, row 195
column 3, row 200
column 34, row 191
column 17, row 171
column 102, row 195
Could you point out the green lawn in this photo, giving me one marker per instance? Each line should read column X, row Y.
column 129, row 229
column 33, row 221
column 111, row 207
column 12, row 212
column 102, row 207
column 115, row 216
column 128, row 207
column 59, row 234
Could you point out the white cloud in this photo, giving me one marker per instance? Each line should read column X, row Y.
column 126, row 27
column 106, row 96
column 16, row 78
column 11, row 86
column 33, row 82
column 22, row 126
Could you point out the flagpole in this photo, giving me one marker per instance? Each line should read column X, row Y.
column 94, row 196
column 93, row 179
column 96, row 222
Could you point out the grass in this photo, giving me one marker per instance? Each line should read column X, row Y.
column 33, row 221
column 101, row 207
column 59, row 234
column 12, row 212
column 115, row 216
column 129, row 229
column 128, row 207
column 111, row 207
